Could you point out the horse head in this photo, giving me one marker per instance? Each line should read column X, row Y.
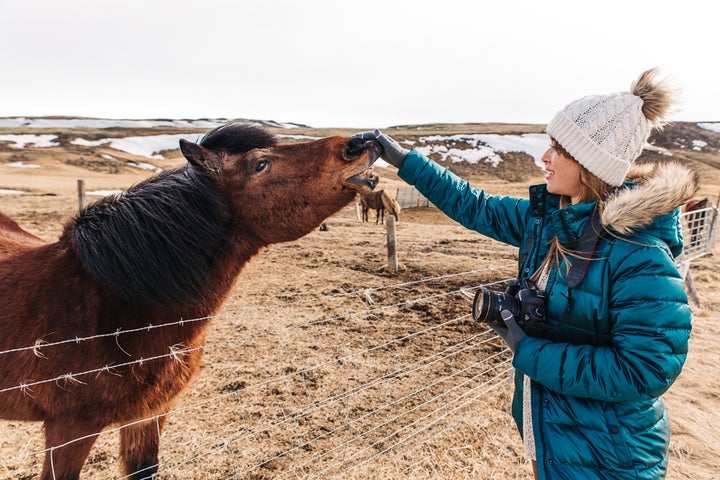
column 281, row 192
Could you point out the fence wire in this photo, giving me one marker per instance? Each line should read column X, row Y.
column 227, row 441
column 356, row 440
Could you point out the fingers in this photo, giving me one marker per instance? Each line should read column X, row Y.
column 510, row 322
column 366, row 135
column 386, row 141
column 374, row 135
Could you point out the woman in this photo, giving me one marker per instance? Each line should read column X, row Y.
column 588, row 385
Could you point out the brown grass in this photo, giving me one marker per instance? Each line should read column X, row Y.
column 310, row 375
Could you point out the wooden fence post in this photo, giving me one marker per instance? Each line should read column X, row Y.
column 81, row 194
column 391, row 244
column 713, row 227
column 692, row 290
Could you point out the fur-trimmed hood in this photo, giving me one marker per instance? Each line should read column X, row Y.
column 650, row 191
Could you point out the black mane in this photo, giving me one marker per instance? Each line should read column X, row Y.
column 155, row 243
column 235, row 138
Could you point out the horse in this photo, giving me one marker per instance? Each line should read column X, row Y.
column 379, row 201
column 696, row 221
column 166, row 249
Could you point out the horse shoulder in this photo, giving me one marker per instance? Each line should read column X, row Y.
column 13, row 239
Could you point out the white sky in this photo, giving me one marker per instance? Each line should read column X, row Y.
column 364, row 64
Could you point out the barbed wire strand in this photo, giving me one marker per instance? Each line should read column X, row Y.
column 175, row 353
column 256, row 385
column 404, row 413
column 179, row 352
column 40, row 344
column 381, row 408
column 494, row 383
column 386, row 377
column 311, row 408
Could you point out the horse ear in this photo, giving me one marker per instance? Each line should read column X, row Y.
column 194, row 153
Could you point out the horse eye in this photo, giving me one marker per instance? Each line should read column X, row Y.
column 261, row 165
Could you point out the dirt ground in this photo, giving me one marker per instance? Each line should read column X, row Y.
column 325, row 364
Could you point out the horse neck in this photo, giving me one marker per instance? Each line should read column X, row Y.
column 170, row 241
column 229, row 264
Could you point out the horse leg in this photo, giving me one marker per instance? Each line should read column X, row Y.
column 139, row 446
column 68, row 444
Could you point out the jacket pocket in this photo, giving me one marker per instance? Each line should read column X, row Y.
column 617, row 436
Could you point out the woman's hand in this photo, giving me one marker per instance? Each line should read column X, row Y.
column 511, row 332
column 393, row 153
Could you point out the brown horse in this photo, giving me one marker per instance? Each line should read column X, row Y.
column 379, row 201
column 167, row 249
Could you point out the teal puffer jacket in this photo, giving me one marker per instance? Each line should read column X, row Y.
column 597, row 377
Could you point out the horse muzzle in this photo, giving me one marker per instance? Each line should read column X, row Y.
column 364, row 179
column 356, row 147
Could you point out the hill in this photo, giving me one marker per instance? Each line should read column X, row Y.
column 126, row 151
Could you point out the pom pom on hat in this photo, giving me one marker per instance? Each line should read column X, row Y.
column 607, row 133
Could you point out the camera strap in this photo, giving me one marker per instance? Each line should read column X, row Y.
column 586, row 248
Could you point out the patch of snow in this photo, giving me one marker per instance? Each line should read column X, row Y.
column 147, row 146
column 698, row 145
column 105, row 123
column 104, row 193
column 484, row 147
column 145, row 166
column 654, row 148
column 5, row 191
column 455, row 155
column 22, row 165
column 38, row 141
column 713, row 127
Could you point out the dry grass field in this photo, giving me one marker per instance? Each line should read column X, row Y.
column 325, row 364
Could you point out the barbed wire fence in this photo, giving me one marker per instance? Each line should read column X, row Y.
column 340, row 428
column 420, row 389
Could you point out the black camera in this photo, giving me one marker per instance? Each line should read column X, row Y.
column 522, row 298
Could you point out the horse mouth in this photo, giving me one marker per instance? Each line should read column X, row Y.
column 364, row 180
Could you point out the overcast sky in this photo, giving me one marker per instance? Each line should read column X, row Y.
column 326, row 63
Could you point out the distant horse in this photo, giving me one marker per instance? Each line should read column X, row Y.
column 379, row 201
column 167, row 249
column 696, row 220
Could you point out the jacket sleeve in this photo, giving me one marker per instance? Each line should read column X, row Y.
column 651, row 324
column 498, row 217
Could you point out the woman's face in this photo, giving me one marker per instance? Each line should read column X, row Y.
column 562, row 173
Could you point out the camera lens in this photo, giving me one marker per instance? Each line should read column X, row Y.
column 489, row 304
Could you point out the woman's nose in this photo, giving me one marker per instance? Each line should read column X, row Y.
column 546, row 156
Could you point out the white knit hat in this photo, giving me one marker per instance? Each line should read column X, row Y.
column 607, row 133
